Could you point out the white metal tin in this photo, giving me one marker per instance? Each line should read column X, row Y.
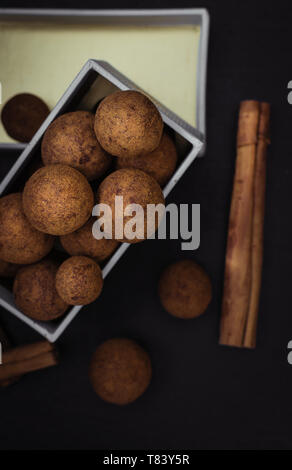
column 95, row 80
column 159, row 17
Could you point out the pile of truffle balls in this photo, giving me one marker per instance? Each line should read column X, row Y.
column 87, row 159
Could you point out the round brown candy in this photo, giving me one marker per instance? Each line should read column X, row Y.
column 135, row 187
column 79, row 280
column 20, row 242
column 185, row 289
column 22, row 116
column 57, row 199
column 160, row 164
column 82, row 242
column 35, row 293
column 120, row 371
column 128, row 124
column 71, row 140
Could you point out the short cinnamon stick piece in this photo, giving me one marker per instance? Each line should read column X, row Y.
column 27, row 351
column 28, row 358
column 258, row 225
column 237, row 280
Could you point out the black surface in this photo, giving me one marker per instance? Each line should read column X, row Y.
column 202, row 396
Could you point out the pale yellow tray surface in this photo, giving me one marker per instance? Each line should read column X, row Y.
column 43, row 59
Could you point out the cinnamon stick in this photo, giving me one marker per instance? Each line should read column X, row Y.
column 27, row 351
column 258, row 225
column 237, row 280
column 28, row 358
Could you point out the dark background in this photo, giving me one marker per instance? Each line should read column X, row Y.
column 202, row 396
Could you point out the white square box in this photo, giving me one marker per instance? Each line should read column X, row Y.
column 145, row 23
column 96, row 80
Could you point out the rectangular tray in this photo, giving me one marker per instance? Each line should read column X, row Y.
column 144, row 21
column 96, row 80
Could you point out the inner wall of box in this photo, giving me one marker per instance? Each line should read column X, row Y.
column 44, row 58
column 87, row 98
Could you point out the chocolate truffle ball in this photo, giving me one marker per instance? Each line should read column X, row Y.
column 57, row 199
column 79, row 280
column 160, row 164
column 71, row 140
column 20, row 242
column 82, row 242
column 35, row 292
column 136, row 187
column 8, row 269
column 120, row 371
column 185, row 289
column 128, row 124
column 22, row 116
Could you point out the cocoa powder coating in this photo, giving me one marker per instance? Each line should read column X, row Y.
column 79, row 280
column 71, row 140
column 160, row 164
column 22, row 116
column 136, row 187
column 128, row 124
column 35, row 292
column 82, row 242
column 20, row 242
column 57, row 199
column 120, row 371
column 185, row 289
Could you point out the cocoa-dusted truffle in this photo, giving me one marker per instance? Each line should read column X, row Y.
column 71, row 140
column 22, row 116
column 136, row 187
column 20, row 242
column 8, row 269
column 35, row 292
column 160, row 164
column 185, row 289
column 128, row 124
column 57, row 199
column 120, row 371
column 79, row 280
column 82, row 242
